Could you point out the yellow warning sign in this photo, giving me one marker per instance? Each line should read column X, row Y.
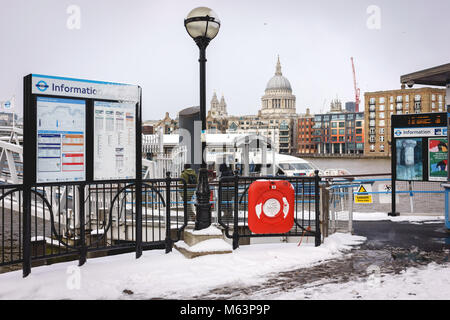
column 362, row 195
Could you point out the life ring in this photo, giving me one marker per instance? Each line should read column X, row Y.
column 271, row 206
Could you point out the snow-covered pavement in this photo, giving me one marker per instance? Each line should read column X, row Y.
column 428, row 283
column 172, row 276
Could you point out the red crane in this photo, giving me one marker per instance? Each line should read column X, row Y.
column 357, row 90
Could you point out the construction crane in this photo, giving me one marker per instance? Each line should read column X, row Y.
column 357, row 90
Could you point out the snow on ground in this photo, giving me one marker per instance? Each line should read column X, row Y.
column 172, row 276
column 428, row 283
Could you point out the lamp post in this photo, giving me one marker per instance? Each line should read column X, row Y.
column 203, row 25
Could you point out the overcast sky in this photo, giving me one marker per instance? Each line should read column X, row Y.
column 144, row 42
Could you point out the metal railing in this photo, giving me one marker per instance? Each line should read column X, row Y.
column 77, row 220
column 232, row 207
column 412, row 197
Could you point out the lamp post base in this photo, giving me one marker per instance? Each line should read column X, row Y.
column 203, row 206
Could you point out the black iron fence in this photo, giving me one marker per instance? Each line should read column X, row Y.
column 79, row 220
column 233, row 207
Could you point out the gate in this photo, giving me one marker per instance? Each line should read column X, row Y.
column 233, row 207
column 70, row 221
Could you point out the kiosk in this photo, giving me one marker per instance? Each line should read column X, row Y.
column 436, row 76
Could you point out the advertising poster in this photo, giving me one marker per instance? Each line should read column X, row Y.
column 114, row 140
column 409, row 159
column 437, row 159
column 61, row 131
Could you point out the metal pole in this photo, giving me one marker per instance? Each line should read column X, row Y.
column 350, row 210
column 168, row 235
column 318, row 238
column 236, row 212
column 80, row 210
column 203, row 206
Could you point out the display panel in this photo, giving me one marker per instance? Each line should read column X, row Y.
column 114, row 140
column 437, row 159
column 409, row 159
column 61, row 140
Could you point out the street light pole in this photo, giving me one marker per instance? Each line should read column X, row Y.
column 202, row 24
column 203, row 207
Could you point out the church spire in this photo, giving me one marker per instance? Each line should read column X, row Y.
column 278, row 72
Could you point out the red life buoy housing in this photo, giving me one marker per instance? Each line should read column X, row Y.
column 271, row 206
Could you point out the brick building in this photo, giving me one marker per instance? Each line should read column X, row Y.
column 305, row 141
column 380, row 105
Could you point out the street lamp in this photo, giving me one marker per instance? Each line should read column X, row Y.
column 203, row 25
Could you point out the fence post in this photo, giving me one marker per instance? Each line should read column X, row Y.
column 138, row 218
column 236, row 212
column 318, row 238
column 350, row 210
column 168, row 238
column 325, row 201
column 83, row 249
column 26, row 233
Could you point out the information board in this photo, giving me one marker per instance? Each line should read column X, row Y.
column 114, row 140
column 61, row 139
column 419, row 147
column 80, row 131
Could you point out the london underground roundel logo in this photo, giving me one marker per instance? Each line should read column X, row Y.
column 42, row 86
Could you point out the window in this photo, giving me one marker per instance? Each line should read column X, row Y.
column 372, row 123
column 418, row 97
column 381, row 100
column 372, row 130
column 371, row 108
column 334, row 124
column 359, row 123
column 399, row 106
column 381, row 107
column 372, row 101
column 372, row 138
column 381, row 123
column 381, row 115
column 417, row 106
column 381, row 130
column 381, row 138
column 358, row 131
column 341, row 139
column 391, row 99
column 433, row 97
column 358, row 138
column 399, row 99
column 391, row 107
column 372, row 115
column 334, row 131
column 372, row 148
column 407, row 98
column 341, row 131
column 341, row 124
column 382, row 148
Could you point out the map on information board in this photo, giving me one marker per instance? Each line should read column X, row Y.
column 61, row 140
column 114, row 140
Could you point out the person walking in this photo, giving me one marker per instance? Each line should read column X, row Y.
column 191, row 179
